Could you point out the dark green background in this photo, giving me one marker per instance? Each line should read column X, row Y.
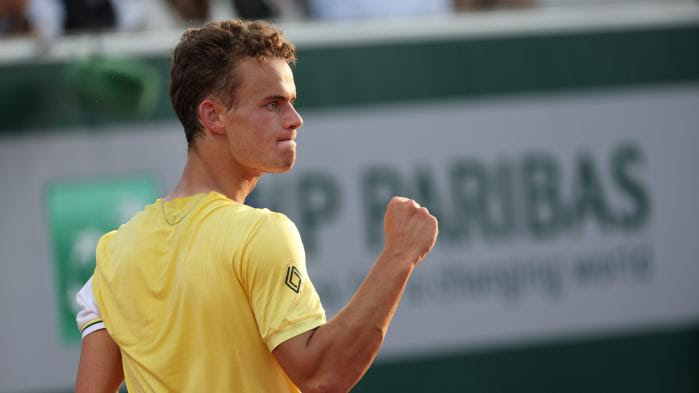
column 659, row 362
column 99, row 91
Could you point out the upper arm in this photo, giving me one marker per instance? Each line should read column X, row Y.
column 308, row 361
column 100, row 369
column 273, row 273
column 292, row 356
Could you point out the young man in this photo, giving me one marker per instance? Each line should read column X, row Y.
column 201, row 293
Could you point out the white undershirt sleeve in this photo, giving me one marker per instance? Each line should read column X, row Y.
column 88, row 317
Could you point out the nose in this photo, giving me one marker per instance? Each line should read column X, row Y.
column 294, row 120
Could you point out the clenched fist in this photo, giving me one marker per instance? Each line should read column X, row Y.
column 410, row 229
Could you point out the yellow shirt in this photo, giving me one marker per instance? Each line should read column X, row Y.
column 198, row 291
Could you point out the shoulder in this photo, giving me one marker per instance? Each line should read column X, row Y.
column 269, row 221
column 255, row 220
column 274, row 231
column 104, row 243
column 243, row 224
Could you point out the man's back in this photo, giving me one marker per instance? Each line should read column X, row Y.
column 195, row 291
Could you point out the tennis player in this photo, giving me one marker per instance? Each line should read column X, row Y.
column 201, row 293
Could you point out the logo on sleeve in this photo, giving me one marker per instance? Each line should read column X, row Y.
column 293, row 279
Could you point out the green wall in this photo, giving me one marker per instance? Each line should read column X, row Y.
column 99, row 91
column 656, row 362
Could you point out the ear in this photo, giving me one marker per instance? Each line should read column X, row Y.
column 210, row 113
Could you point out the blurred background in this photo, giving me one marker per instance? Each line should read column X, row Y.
column 556, row 140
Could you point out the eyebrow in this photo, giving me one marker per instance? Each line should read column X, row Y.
column 279, row 97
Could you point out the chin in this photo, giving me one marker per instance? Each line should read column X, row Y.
column 282, row 167
column 288, row 167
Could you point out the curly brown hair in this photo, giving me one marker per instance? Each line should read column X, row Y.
column 205, row 60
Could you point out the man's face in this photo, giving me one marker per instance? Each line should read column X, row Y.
column 261, row 125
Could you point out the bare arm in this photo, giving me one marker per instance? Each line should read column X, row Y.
column 333, row 357
column 100, row 369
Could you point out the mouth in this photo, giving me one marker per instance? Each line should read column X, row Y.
column 286, row 142
column 289, row 140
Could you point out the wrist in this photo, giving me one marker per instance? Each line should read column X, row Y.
column 408, row 258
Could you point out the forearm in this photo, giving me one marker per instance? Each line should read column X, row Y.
column 333, row 357
column 345, row 347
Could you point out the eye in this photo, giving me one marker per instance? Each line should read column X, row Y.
column 272, row 105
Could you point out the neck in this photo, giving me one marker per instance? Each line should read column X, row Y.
column 202, row 175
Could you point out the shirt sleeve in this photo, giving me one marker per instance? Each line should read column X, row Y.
column 281, row 294
column 88, row 317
